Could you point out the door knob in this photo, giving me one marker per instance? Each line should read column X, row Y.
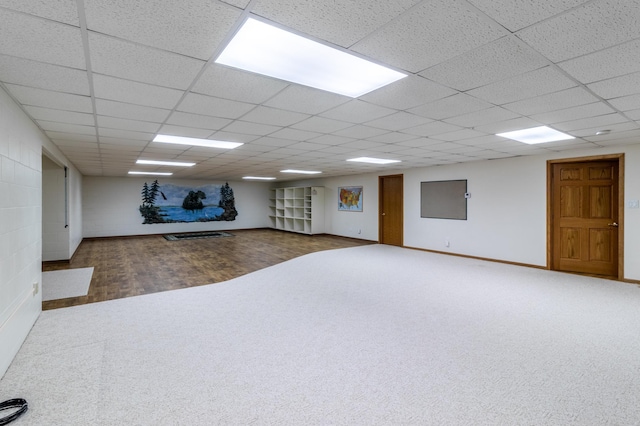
column 383, row 214
column 614, row 224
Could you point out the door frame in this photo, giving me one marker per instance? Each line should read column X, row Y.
column 550, row 207
column 380, row 204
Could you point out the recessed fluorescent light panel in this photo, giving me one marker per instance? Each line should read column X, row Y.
column 536, row 135
column 302, row 172
column 180, row 140
column 165, row 163
column 151, row 173
column 264, row 49
column 373, row 160
column 258, row 178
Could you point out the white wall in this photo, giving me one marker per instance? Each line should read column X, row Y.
column 110, row 207
column 22, row 145
column 74, row 192
column 507, row 211
column 20, row 227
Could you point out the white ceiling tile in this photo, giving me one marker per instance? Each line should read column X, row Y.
column 586, row 123
column 233, row 137
column 306, row 100
column 358, row 131
column 613, row 62
column 501, row 59
column 484, row 116
column 574, row 113
column 43, row 76
column 119, row 141
column 357, row 112
column 117, row 89
column 450, row 106
column 273, row 142
column 273, row 116
column 586, row 29
column 119, row 148
column 51, row 126
column 41, row 40
column 130, row 111
column 589, row 133
column 341, row 23
column 193, row 28
column 321, row 125
column 517, row 14
column 331, row 140
column 295, row 134
column 72, row 137
column 626, row 103
column 230, row 83
column 48, row 114
column 198, row 121
column 507, row 125
column 244, row 127
column 459, row 135
column 119, row 58
column 238, row 3
column 633, row 114
column 188, row 132
column 433, row 128
column 216, row 107
column 49, row 99
column 124, row 124
column 57, row 10
column 553, row 101
column 398, row 121
column 391, row 137
column 407, row 93
column 124, row 134
column 430, row 33
column 618, row 86
column 528, row 85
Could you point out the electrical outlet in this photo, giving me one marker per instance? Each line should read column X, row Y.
column 446, row 243
column 36, row 288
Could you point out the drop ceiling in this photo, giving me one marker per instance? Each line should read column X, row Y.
column 102, row 77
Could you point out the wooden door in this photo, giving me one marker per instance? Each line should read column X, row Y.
column 585, row 217
column 391, row 211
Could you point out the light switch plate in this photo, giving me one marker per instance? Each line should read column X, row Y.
column 633, row 204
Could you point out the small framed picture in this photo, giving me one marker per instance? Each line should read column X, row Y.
column 350, row 198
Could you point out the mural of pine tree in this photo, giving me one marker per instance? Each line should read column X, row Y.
column 149, row 211
column 228, row 203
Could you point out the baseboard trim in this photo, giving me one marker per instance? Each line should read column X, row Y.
column 507, row 262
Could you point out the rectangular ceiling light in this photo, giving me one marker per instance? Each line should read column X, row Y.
column 209, row 143
column 165, row 163
column 258, row 178
column 302, row 172
column 151, row 173
column 264, row 49
column 536, row 135
column 373, row 160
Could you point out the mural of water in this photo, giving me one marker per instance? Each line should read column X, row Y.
column 178, row 214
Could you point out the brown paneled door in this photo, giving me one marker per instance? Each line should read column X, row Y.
column 585, row 218
column 391, row 210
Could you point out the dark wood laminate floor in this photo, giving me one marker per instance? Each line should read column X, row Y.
column 132, row 266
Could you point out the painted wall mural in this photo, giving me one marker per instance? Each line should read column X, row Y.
column 170, row 203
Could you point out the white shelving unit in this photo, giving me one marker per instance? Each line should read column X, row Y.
column 297, row 209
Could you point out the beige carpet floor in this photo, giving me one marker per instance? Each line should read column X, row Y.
column 372, row 335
